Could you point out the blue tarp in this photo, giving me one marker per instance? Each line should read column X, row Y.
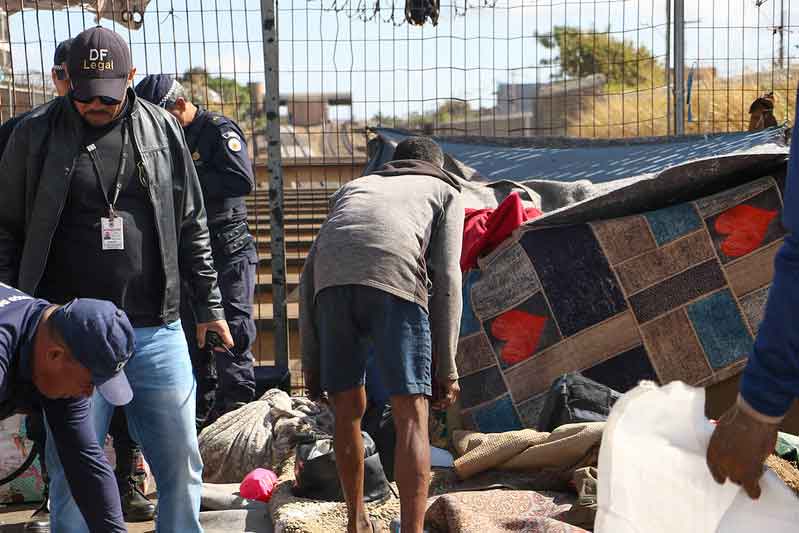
column 598, row 161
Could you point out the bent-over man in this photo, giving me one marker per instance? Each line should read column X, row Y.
column 385, row 270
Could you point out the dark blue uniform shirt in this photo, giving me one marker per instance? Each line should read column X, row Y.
column 223, row 165
column 89, row 475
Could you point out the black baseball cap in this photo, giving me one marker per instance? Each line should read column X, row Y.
column 62, row 52
column 98, row 64
column 101, row 338
column 60, row 58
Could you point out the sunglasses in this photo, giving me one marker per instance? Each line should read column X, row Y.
column 105, row 100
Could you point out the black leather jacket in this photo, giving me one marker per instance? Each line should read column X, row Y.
column 35, row 173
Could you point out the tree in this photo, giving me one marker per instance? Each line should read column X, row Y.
column 224, row 95
column 454, row 108
column 586, row 52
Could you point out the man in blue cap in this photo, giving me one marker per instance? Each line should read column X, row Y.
column 53, row 357
column 219, row 152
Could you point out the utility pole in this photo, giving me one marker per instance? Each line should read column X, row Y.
column 782, row 34
column 679, row 67
column 669, row 117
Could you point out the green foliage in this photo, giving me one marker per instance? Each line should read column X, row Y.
column 223, row 95
column 586, row 52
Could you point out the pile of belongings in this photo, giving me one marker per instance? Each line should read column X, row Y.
column 260, row 434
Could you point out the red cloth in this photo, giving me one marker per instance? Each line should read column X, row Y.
column 485, row 229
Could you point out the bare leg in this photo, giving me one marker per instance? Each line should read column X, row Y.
column 412, row 459
column 349, row 407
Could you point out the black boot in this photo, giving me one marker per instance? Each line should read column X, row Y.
column 135, row 505
column 129, row 472
column 40, row 519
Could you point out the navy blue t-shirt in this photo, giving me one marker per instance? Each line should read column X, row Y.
column 88, row 473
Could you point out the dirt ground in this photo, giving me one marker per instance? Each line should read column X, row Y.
column 13, row 518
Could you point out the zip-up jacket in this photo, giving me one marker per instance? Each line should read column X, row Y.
column 35, row 173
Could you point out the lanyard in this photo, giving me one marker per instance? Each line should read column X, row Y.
column 97, row 164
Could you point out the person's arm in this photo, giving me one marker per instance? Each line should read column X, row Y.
column 309, row 336
column 196, row 263
column 12, row 208
column 746, row 434
column 446, row 299
column 770, row 381
column 86, row 468
column 230, row 173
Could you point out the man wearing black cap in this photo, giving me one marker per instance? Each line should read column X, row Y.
column 52, row 357
column 118, row 215
column 60, row 81
column 220, row 156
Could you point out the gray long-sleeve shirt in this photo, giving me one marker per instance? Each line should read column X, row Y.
column 401, row 234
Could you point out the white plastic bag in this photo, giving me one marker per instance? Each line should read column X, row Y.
column 653, row 477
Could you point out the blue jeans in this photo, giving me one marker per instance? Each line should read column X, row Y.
column 161, row 418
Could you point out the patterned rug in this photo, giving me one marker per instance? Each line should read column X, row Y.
column 500, row 511
column 671, row 294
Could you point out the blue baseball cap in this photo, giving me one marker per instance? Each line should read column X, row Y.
column 157, row 88
column 101, row 338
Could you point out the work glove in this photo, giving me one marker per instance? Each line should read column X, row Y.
column 741, row 443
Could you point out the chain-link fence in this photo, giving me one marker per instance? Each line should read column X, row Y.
column 586, row 68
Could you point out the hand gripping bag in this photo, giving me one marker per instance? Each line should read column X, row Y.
column 653, row 477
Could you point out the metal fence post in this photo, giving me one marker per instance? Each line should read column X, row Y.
column 669, row 88
column 679, row 67
column 275, row 165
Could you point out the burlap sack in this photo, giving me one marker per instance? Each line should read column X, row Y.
column 259, row 434
column 524, row 449
column 564, row 446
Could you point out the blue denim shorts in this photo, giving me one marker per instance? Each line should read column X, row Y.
column 353, row 318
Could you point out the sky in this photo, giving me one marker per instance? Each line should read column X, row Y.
column 327, row 46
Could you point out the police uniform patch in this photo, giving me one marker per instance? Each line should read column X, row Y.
column 195, row 156
column 234, row 144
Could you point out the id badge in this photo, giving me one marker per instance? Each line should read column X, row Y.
column 111, row 234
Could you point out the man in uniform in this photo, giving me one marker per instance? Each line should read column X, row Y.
column 220, row 156
column 51, row 358
column 60, row 78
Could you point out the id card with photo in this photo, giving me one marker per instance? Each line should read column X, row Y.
column 111, row 234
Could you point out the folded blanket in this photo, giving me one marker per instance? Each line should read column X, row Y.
column 525, row 449
column 239, row 521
